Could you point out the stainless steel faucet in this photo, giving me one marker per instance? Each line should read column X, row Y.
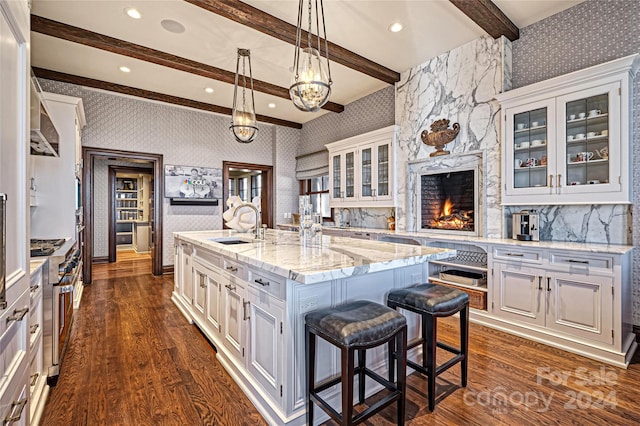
column 342, row 217
column 258, row 229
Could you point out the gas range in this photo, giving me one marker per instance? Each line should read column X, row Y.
column 45, row 247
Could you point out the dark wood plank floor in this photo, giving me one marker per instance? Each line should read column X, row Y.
column 134, row 360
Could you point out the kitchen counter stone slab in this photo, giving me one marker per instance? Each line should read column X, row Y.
column 281, row 253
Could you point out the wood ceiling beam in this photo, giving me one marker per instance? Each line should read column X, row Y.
column 268, row 24
column 147, row 94
column 99, row 41
column 489, row 17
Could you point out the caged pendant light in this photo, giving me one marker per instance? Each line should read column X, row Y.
column 243, row 115
column 311, row 81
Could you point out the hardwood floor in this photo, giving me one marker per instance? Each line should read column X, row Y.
column 134, row 360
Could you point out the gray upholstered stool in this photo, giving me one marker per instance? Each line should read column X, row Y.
column 432, row 301
column 351, row 327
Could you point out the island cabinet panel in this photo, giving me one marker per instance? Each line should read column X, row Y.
column 520, row 293
column 234, row 315
column 266, row 342
column 214, row 302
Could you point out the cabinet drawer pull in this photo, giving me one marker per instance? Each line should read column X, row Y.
column 34, row 288
column 540, row 282
column 262, row 283
column 230, row 287
column 584, row 262
column 244, row 310
column 548, row 283
column 34, row 379
column 20, row 404
column 34, row 328
column 232, row 269
column 515, row 254
column 17, row 315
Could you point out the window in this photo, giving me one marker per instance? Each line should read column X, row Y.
column 256, row 186
column 318, row 189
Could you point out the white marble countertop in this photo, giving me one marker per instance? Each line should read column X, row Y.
column 337, row 257
column 36, row 263
column 425, row 237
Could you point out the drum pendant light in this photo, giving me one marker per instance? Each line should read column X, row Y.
column 311, row 80
column 243, row 115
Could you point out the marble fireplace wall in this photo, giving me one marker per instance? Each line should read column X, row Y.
column 460, row 86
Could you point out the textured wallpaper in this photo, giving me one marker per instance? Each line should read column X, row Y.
column 369, row 113
column 590, row 33
column 184, row 137
column 285, row 145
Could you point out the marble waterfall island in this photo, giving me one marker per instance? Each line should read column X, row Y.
column 249, row 297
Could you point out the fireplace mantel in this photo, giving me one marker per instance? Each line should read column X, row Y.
column 473, row 160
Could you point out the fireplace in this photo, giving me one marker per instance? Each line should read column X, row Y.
column 448, row 202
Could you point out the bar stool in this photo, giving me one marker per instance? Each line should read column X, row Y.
column 432, row 301
column 356, row 326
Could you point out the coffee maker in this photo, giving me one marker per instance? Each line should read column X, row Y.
column 526, row 226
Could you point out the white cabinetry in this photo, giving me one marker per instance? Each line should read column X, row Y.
column 14, row 148
column 361, row 170
column 38, row 389
column 184, row 274
column 561, row 292
column 235, row 311
column 569, row 136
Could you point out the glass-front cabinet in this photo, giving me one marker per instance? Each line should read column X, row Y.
column 567, row 140
column 361, row 170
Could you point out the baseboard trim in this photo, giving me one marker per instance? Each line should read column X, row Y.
column 101, row 259
column 167, row 269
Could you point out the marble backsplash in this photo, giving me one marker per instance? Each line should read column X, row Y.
column 375, row 218
column 459, row 85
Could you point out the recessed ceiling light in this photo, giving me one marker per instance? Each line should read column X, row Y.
column 133, row 13
column 208, row 90
column 172, row 26
column 125, row 69
column 395, row 27
column 271, row 105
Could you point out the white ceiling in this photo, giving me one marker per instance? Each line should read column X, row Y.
column 431, row 27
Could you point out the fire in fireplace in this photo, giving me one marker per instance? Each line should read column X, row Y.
column 448, row 201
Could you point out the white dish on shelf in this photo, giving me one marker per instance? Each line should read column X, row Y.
column 538, row 142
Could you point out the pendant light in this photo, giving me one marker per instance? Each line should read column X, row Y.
column 311, row 81
column 243, row 115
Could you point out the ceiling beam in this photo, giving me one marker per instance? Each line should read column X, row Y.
column 147, row 94
column 268, row 24
column 489, row 17
column 88, row 38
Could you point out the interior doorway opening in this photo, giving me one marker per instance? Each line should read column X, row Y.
column 96, row 179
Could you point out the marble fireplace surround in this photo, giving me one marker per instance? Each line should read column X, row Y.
column 474, row 161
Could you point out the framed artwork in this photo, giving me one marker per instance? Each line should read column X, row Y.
column 191, row 182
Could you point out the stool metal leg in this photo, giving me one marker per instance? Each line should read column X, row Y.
column 347, row 385
column 464, row 343
column 310, row 348
column 401, row 358
column 362, row 362
column 431, row 340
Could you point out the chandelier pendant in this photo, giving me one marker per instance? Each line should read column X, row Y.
column 311, row 80
column 243, row 115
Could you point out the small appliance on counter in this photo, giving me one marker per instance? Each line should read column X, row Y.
column 526, row 226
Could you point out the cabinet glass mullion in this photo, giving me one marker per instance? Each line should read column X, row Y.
column 366, row 172
column 383, row 170
column 336, row 176
column 587, row 139
column 349, row 174
column 530, row 155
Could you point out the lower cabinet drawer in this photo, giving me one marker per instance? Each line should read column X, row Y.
column 581, row 261
column 14, row 401
column 477, row 298
column 517, row 254
column 272, row 284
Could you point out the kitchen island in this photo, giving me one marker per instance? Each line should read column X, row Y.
column 249, row 297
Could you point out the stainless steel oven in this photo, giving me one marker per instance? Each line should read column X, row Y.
column 64, row 272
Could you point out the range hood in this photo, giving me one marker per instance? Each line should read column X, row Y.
column 44, row 136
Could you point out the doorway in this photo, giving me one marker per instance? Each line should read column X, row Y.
column 132, row 160
column 247, row 181
column 130, row 193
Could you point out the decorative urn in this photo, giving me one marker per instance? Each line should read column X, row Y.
column 439, row 136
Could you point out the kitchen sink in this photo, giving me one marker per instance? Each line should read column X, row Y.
column 229, row 241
